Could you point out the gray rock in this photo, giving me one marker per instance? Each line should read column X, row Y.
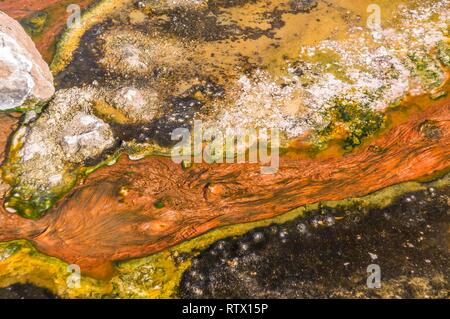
column 23, row 73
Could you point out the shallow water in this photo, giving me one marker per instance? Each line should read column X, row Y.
column 256, row 64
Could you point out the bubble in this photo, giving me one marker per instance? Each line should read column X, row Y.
column 302, row 228
column 221, row 245
column 329, row 220
column 244, row 246
column 273, row 229
column 258, row 237
column 283, row 234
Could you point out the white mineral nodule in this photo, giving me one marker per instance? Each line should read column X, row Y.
column 61, row 139
column 23, row 73
column 139, row 105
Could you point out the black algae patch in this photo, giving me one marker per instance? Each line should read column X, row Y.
column 25, row 291
column 327, row 254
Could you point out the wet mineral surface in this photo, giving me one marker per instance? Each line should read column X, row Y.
column 136, row 71
column 326, row 255
column 143, row 68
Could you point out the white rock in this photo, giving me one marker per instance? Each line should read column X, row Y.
column 23, row 73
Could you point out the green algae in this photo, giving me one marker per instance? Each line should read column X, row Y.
column 443, row 53
column 35, row 24
column 34, row 207
column 350, row 122
column 159, row 204
column 29, row 202
column 426, row 68
column 22, row 263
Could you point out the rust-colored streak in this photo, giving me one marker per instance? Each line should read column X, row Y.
column 8, row 122
column 112, row 216
column 23, row 8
